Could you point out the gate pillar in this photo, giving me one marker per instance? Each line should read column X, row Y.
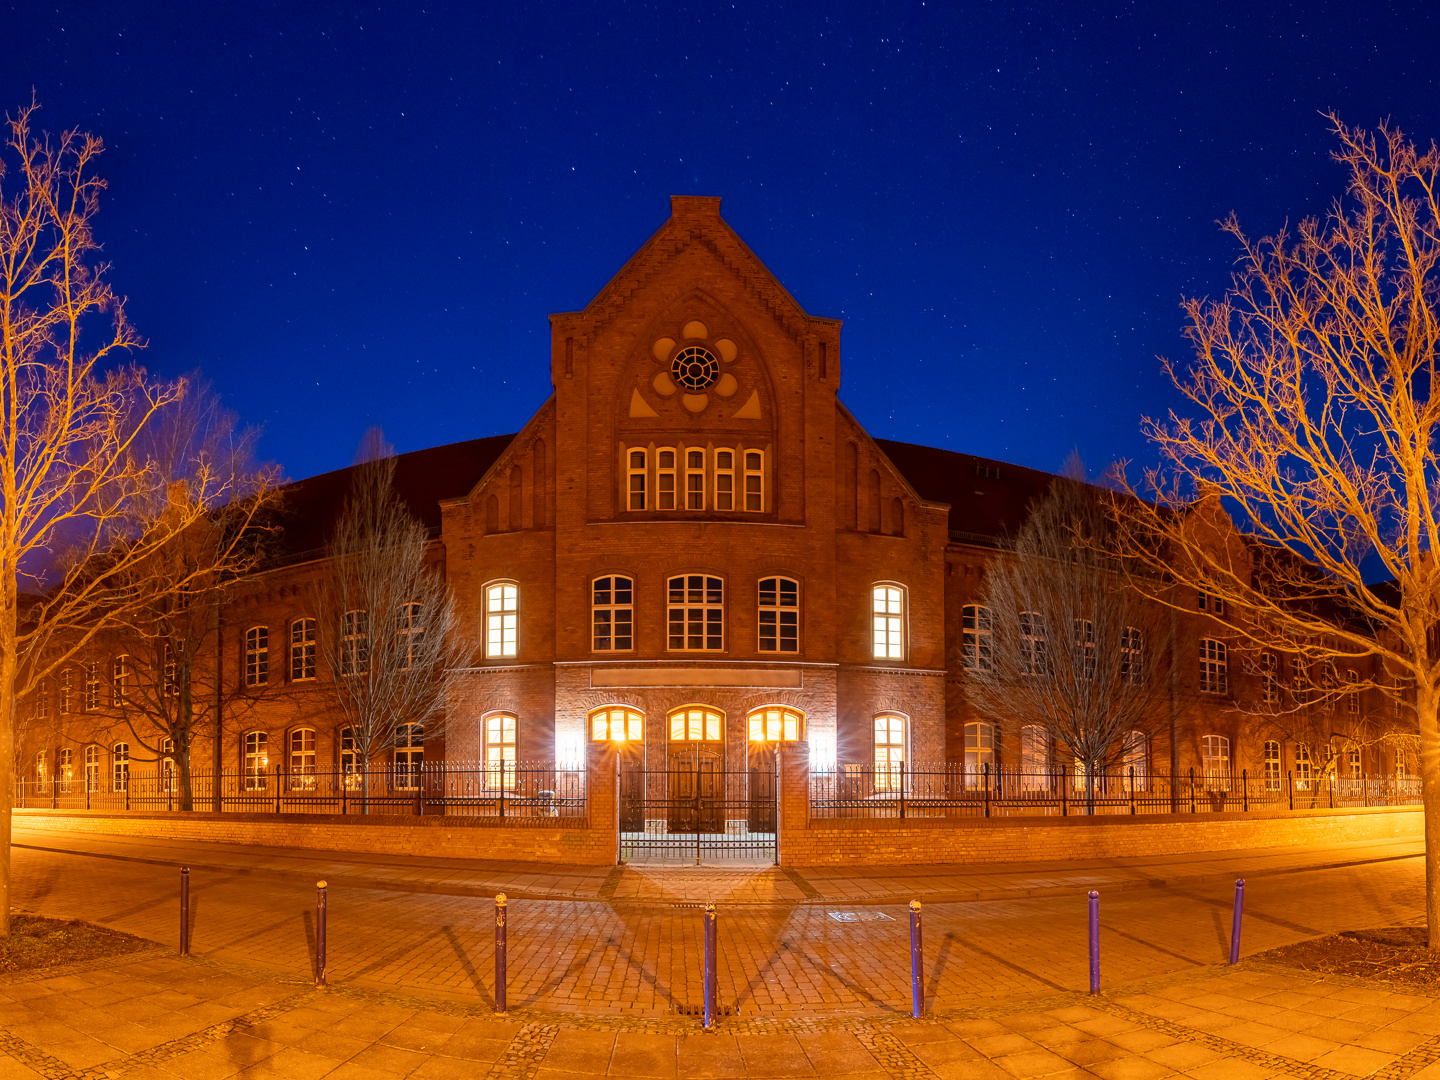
column 603, row 796
column 793, row 801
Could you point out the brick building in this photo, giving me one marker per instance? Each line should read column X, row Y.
column 692, row 543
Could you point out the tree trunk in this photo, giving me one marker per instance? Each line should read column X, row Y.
column 1426, row 702
column 182, row 779
column 8, row 669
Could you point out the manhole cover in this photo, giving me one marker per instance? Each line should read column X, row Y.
column 860, row 916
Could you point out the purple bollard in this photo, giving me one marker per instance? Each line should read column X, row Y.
column 1235, row 920
column 320, row 893
column 711, row 941
column 184, row 911
column 500, row 1006
column 1094, row 942
column 917, row 964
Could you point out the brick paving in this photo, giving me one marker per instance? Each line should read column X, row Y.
column 604, row 987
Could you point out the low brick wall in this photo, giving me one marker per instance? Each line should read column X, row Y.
column 465, row 838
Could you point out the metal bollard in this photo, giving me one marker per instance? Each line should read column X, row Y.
column 184, row 911
column 500, row 978
column 1235, row 920
column 1094, row 942
column 710, row 959
column 917, row 964
column 320, row 889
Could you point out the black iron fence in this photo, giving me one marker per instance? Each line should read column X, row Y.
column 536, row 792
column 952, row 789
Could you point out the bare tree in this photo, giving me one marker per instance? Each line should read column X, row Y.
column 1072, row 650
column 388, row 630
column 1319, row 427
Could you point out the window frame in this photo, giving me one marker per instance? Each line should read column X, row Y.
column 977, row 638
column 65, row 680
column 890, row 746
column 636, row 474
column 777, row 610
column 502, row 622
column 1269, row 678
column 302, row 761
column 667, row 492
column 701, row 472
column 889, row 621
column 725, row 492
column 612, row 609
column 254, row 760
column 704, row 608
column 92, row 767
column 1034, row 643
column 120, row 766
column 757, row 489
column 92, row 686
column 1273, row 774
column 409, row 756
column 257, row 656
column 500, row 769
column 1214, row 667
column 65, row 769
column 770, row 724
column 121, row 671
column 709, row 725
column 302, row 649
column 355, row 643
column 409, row 633
column 1132, row 656
column 600, row 724
column 1214, row 747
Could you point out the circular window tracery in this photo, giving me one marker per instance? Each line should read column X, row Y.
column 695, row 368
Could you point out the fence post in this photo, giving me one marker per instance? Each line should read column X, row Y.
column 917, row 964
column 710, row 944
column 420, row 791
column 1235, row 920
column 1192, row 789
column 986, row 766
column 277, row 788
column 500, row 974
column 1064, row 794
column 184, row 911
column 1094, row 942
column 320, row 891
column 1290, row 783
column 1245, row 790
column 1365, row 789
column 1132, row 790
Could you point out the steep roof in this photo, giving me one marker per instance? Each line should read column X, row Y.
column 423, row 478
column 988, row 499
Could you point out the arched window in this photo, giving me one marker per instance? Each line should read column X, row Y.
column 616, row 724
column 92, row 687
column 887, row 622
column 696, row 611
column 1304, row 767
column 635, row 479
column 1272, row 766
column 92, row 768
column 1034, row 758
column 612, row 614
column 1213, row 676
column 302, row 759
column 1215, row 761
column 502, row 619
column 65, row 692
column 350, row 758
column 302, row 650
column 409, row 756
column 409, row 636
column 695, row 723
column 120, row 767
column 500, row 752
column 779, row 615
column 694, row 479
column 1269, row 670
column 40, row 771
column 257, row 656
column 889, row 753
column 355, row 643
column 256, row 760
column 976, row 639
column 979, row 746
column 169, row 685
column 1132, row 656
column 724, row 479
column 1085, row 648
column 1034, row 659
column 65, row 772
column 1135, row 760
column 775, row 723
column 167, row 766
column 1351, row 679
column 42, row 700
column 120, row 682
column 665, row 478
column 754, row 481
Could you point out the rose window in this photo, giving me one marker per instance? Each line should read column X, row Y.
column 695, row 368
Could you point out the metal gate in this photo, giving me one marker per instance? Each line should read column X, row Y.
column 696, row 811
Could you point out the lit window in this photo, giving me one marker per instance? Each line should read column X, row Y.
column 66, row 770
column 665, row 478
column 695, row 480
column 977, row 651
column 120, row 681
column 92, row 687
column 754, row 481
column 92, row 768
column 1213, row 678
column 500, row 752
column 257, row 656
column 257, row 760
column 1304, row 767
column 635, row 486
column 502, row 619
column 167, row 766
column 779, row 615
column 1215, row 760
column 1032, row 643
column 616, row 725
column 1132, row 656
column 355, row 643
column 40, row 770
column 1136, row 759
column 1269, row 667
column 65, row 691
column 409, row 756
column 1272, row 766
column 724, row 480
column 696, row 613
column 1085, row 648
column 120, row 767
column 1354, row 755
column 979, row 746
column 889, row 753
column 695, row 724
column 302, row 650
column 776, row 724
column 302, row 758
column 409, row 636
column 1034, row 758
column 349, row 758
column 613, row 614
column 887, row 622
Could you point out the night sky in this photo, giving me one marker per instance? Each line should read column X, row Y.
column 353, row 215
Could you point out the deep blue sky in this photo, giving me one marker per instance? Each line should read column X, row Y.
column 351, row 215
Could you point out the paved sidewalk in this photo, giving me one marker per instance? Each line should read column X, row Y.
column 734, row 884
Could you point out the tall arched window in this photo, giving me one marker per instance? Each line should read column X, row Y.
column 355, row 643
column 724, row 479
column 302, row 759
column 40, row 771
column 612, row 614
column 976, row 639
column 120, row 681
column 1032, row 643
column 1215, row 761
column 92, row 686
column 256, row 760
column 889, row 753
column 696, row 610
column 696, row 723
column 65, row 771
column 1135, row 760
column 1269, row 682
column 887, row 622
column 1034, row 758
column 1085, row 648
column 257, row 656
column 775, row 723
column 635, row 479
column 409, row 756
column 92, row 768
column 502, row 619
column 1272, row 766
column 350, row 763
column 500, row 749
column 616, row 723
column 1214, row 678
column 409, row 635
column 65, row 678
column 167, row 766
column 754, row 481
column 302, row 650
column 979, row 747
column 1132, row 656
column 120, row 767
column 779, row 615
column 665, row 478
column 694, row 479
column 1304, row 767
